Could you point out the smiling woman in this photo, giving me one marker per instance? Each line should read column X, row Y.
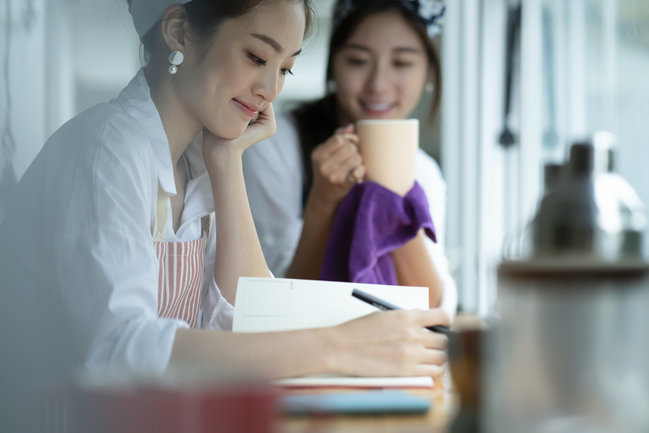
column 382, row 58
column 223, row 58
column 132, row 226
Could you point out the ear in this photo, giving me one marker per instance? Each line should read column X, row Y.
column 175, row 26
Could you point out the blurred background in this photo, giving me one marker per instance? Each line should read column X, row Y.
column 574, row 67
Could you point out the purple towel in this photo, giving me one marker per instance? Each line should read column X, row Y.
column 370, row 223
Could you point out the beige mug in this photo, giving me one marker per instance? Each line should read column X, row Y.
column 389, row 148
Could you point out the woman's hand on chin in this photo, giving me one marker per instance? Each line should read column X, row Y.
column 260, row 129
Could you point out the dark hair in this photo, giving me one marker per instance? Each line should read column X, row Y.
column 205, row 16
column 341, row 34
column 317, row 120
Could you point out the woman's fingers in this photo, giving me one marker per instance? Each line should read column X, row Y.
column 334, row 144
column 262, row 128
column 427, row 353
column 433, row 370
column 433, row 340
column 358, row 174
column 429, row 362
column 434, row 356
column 349, row 129
column 394, row 343
column 432, row 317
column 351, row 138
column 340, row 166
column 338, row 160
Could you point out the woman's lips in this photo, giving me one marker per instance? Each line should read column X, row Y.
column 250, row 111
column 377, row 109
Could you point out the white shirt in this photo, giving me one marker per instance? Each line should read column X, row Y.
column 81, row 229
column 274, row 178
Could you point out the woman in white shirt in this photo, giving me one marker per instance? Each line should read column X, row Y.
column 134, row 244
column 381, row 59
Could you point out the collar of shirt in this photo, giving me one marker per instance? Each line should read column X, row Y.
column 136, row 100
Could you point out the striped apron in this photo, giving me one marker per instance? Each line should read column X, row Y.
column 182, row 266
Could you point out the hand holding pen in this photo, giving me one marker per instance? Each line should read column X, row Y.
column 385, row 305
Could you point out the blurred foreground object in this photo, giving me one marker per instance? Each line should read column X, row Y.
column 571, row 352
column 466, row 357
column 190, row 402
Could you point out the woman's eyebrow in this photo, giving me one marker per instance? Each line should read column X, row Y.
column 273, row 43
column 353, row 46
column 403, row 49
column 407, row 50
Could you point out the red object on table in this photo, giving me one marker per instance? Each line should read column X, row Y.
column 232, row 409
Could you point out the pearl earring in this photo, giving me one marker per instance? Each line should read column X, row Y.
column 176, row 58
column 429, row 87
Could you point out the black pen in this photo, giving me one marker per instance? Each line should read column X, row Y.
column 385, row 305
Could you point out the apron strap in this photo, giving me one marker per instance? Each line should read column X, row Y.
column 162, row 211
column 206, row 224
column 161, row 216
column 207, row 220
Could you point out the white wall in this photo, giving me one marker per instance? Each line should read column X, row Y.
column 22, row 94
column 23, row 45
column 309, row 79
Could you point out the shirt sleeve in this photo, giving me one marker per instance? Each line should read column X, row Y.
column 218, row 313
column 106, row 266
column 430, row 178
column 274, row 178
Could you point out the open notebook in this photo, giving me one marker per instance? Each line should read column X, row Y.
column 279, row 304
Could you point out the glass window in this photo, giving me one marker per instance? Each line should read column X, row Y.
column 596, row 69
column 580, row 66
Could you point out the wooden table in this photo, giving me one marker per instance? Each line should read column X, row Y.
column 444, row 398
column 443, row 408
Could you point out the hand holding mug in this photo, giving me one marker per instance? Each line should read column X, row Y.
column 337, row 165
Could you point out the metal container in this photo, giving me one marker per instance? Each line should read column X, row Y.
column 588, row 211
column 572, row 350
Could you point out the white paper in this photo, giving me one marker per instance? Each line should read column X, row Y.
column 335, row 381
column 281, row 304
